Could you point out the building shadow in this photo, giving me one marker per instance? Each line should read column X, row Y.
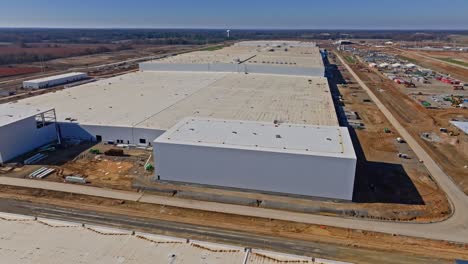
column 61, row 154
column 381, row 182
column 375, row 182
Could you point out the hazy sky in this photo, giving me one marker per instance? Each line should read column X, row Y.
column 285, row 14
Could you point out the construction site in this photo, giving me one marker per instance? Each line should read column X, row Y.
column 277, row 128
column 434, row 102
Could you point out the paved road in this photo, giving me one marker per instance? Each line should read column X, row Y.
column 453, row 229
column 243, row 239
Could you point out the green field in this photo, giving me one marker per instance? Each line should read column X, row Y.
column 454, row 61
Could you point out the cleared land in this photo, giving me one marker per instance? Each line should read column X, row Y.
column 456, row 61
column 451, row 154
column 431, row 63
column 14, row 71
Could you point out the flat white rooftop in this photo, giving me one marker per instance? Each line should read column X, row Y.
column 10, row 113
column 292, row 54
column 261, row 136
column 55, row 77
column 287, row 43
column 158, row 100
column 201, row 57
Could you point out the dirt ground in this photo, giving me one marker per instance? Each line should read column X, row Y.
column 99, row 170
column 458, row 55
column 107, row 171
column 117, row 56
column 451, row 154
column 384, row 182
column 306, row 232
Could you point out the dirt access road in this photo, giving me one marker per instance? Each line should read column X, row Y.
column 458, row 223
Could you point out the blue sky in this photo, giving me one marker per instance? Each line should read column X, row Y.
column 284, row 14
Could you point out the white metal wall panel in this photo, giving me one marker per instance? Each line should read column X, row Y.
column 130, row 135
column 319, row 176
column 23, row 136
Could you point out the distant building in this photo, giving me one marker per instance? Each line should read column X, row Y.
column 343, row 42
column 55, row 80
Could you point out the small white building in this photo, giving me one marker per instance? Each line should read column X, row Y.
column 410, row 65
column 23, row 129
column 297, row 159
column 55, row 80
column 383, row 65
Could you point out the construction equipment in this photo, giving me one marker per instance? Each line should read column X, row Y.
column 400, row 140
column 456, row 100
column 95, row 151
column 403, row 156
column 149, row 167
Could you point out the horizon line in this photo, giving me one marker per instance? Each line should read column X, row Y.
column 240, row 29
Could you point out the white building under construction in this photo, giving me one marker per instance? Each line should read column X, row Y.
column 260, row 90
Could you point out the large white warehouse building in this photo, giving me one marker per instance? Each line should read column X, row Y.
column 271, row 94
column 285, row 158
column 284, row 58
column 55, row 80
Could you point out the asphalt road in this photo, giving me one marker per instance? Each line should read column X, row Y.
column 243, row 239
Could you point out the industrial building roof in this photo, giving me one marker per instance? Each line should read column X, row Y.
column 55, row 77
column 283, row 43
column 10, row 113
column 26, row 240
column 463, row 126
column 261, row 136
column 158, row 100
column 209, row 57
column 289, row 54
